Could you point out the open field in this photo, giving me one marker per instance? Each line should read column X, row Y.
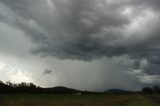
column 154, row 98
column 73, row 100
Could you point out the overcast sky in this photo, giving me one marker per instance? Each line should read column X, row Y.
column 82, row 44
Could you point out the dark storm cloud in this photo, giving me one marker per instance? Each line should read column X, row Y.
column 70, row 29
column 89, row 29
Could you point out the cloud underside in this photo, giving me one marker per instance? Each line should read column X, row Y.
column 90, row 29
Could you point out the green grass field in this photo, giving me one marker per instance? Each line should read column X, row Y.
column 73, row 100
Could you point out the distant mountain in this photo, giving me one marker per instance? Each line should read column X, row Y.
column 117, row 91
column 60, row 90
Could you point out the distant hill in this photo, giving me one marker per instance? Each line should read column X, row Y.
column 117, row 91
column 60, row 89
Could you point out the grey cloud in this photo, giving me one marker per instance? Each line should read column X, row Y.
column 88, row 30
column 46, row 71
column 70, row 36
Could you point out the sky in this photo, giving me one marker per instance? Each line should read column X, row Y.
column 82, row 44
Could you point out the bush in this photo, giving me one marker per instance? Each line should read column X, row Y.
column 147, row 90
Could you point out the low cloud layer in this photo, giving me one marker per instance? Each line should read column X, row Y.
column 88, row 30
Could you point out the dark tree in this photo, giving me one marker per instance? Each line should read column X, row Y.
column 156, row 89
column 147, row 90
column 9, row 83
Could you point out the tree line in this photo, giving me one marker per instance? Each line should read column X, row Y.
column 151, row 90
column 23, row 87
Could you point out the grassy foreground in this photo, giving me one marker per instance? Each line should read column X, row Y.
column 73, row 100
